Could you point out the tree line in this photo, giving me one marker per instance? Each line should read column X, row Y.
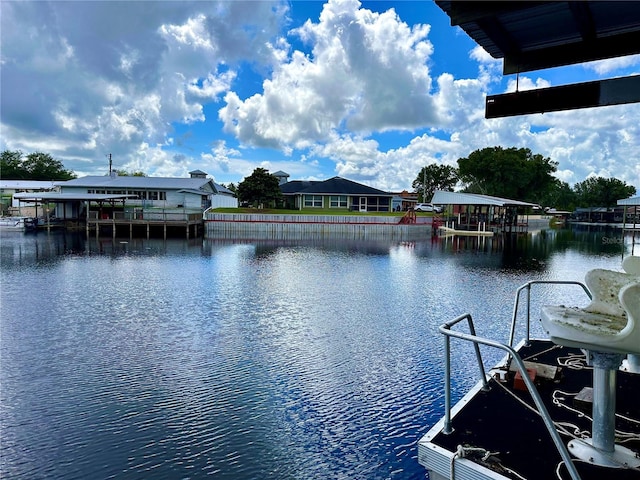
column 14, row 165
column 519, row 174
column 514, row 173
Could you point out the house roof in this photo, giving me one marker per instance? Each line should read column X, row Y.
column 221, row 189
column 441, row 197
column 332, row 186
column 630, row 201
column 296, row 186
column 62, row 197
column 27, row 185
column 114, row 182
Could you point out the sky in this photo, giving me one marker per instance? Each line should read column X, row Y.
column 368, row 91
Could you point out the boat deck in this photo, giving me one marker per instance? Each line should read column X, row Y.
column 504, row 437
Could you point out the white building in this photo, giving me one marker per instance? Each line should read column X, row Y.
column 194, row 193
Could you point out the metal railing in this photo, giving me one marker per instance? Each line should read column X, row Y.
column 446, row 330
column 527, row 287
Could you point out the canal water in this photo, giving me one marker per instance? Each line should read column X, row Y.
column 250, row 359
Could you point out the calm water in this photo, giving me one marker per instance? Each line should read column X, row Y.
column 247, row 359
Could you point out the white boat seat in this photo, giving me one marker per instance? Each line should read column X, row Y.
column 608, row 329
column 610, row 323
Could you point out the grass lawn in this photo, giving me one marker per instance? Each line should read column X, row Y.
column 313, row 211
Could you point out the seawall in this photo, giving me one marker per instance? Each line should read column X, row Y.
column 355, row 226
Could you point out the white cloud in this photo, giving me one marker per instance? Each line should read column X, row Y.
column 113, row 76
column 603, row 67
column 351, row 92
column 523, row 83
column 367, row 72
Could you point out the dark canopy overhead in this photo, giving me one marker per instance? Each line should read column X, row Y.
column 532, row 35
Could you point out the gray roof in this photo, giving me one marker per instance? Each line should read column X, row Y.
column 163, row 183
column 27, row 184
column 332, row 186
column 441, row 197
column 629, row 201
column 221, row 189
column 56, row 196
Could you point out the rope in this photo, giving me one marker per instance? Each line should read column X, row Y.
column 487, row 458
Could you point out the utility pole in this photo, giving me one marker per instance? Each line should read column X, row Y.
column 424, row 185
column 110, row 164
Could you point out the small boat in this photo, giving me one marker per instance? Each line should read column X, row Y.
column 563, row 407
column 447, row 231
column 18, row 224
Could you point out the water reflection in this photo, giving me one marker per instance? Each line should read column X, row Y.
column 247, row 358
column 526, row 252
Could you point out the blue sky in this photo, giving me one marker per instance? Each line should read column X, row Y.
column 370, row 91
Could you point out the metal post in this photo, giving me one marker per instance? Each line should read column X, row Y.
column 447, row 388
column 604, row 413
column 605, row 366
column 528, row 314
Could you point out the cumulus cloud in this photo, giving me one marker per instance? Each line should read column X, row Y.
column 351, row 92
column 604, row 67
column 366, row 72
column 113, row 76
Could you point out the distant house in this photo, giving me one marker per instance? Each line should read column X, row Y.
column 113, row 192
column 335, row 193
column 196, row 192
column 404, row 200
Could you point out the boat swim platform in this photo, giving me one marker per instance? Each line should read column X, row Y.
column 498, row 434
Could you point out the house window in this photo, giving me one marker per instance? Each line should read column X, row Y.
column 378, row 204
column 338, row 201
column 153, row 195
column 313, row 201
column 163, row 195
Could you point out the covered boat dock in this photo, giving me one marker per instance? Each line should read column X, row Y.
column 108, row 212
column 631, row 219
column 484, row 213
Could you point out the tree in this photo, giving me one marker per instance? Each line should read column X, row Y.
column 435, row 177
column 36, row 166
column 560, row 196
column 514, row 173
column 259, row 188
column 602, row 192
column 125, row 173
column 11, row 166
column 231, row 186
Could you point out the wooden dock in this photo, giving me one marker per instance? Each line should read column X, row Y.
column 144, row 223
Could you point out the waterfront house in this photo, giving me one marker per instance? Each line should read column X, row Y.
column 131, row 201
column 335, row 193
column 194, row 193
